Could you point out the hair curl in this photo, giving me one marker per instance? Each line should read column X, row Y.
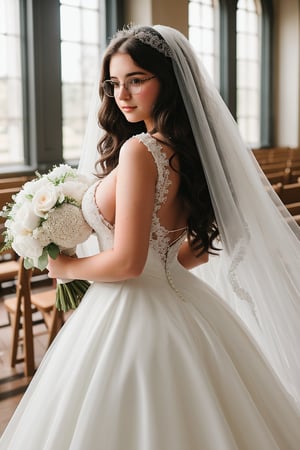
column 171, row 120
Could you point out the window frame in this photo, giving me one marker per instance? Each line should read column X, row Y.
column 41, row 71
column 228, row 69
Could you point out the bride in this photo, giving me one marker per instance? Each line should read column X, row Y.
column 155, row 358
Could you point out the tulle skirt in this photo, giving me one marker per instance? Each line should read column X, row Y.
column 145, row 365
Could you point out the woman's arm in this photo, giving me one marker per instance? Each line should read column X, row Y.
column 135, row 192
column 187, row 257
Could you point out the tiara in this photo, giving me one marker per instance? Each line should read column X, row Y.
column 153, row 39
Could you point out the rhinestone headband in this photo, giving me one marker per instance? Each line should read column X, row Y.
column 151, row 38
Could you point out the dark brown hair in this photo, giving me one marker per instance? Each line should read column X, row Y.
column 171, row 120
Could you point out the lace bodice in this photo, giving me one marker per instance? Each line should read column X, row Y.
column 161, row 241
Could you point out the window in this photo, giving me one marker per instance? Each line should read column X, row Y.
column 82, row 41
column 248, row 69
column 11, row 104
column 203, row 34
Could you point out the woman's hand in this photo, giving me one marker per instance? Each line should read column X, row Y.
column 57, row 268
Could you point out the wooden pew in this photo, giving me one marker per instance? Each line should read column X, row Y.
column 290, row 193
column 279, row 177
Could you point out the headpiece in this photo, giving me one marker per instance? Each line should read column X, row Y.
column 151, row 37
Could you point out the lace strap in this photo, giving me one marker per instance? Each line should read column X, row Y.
column 162, row 164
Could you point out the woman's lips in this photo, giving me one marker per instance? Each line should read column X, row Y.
column 128, row 108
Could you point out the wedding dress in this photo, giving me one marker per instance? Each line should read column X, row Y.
column 159, row 362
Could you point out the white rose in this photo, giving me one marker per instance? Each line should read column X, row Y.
column 17, row 229
column 31, row 187
column 45, row 199
column 74, row 190
column 60, row 172
column 40, row 235
column 26, row 218
column 27, row 246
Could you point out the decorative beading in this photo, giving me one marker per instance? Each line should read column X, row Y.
column 238, row 255
column 151, row 38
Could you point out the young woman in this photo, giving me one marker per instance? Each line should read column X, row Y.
column 154, row 358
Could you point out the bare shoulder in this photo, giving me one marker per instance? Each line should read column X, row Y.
column 135, row 151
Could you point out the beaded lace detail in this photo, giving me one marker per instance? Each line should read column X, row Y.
column 160, row 239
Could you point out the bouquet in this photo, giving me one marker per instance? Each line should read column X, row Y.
column 45, row 218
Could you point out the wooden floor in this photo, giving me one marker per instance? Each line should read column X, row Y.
column 13, row 383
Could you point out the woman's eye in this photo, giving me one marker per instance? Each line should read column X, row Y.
column 135, row 82
column 115, row 84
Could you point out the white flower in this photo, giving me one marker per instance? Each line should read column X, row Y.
column 26, row 218
column 60, row 172
column 65, row 226
column 40, row 213
column 45, row 199
column 27, row 246
column 74, row 189
column 31, row 187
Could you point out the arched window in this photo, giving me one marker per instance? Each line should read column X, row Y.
column 204, row 33
column 248, row 63
column 82, row 41
column 11, row 103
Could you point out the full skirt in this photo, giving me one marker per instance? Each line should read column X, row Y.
column 146, row 365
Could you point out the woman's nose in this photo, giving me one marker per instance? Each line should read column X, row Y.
column 123, row 92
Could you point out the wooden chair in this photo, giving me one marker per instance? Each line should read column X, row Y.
column 44, row 302
column 21, row 309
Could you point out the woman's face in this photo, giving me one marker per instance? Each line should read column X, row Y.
column 136, row 106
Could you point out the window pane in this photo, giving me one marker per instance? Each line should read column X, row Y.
column 71, row 62
column 248, row 70
column 82, row 34
column 11, row 105
column 90, row 28
column 70, row 23
column 203, row 33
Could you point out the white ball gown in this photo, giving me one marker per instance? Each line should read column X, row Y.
column 159, row 362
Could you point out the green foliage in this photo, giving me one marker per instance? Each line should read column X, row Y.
column 69, row 295
column 53, row 250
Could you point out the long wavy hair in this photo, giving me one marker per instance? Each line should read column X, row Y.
column 171, row 121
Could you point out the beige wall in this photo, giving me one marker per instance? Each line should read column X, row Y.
column 163, row 12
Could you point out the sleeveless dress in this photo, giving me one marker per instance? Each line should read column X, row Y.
column 159, row 362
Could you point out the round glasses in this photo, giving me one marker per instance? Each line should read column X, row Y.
column 132, row 85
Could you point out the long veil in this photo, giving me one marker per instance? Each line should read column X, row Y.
column 258, row 270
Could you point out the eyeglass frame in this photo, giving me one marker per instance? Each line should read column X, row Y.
column 125, row 85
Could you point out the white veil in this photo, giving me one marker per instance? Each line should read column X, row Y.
column 258, row 272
